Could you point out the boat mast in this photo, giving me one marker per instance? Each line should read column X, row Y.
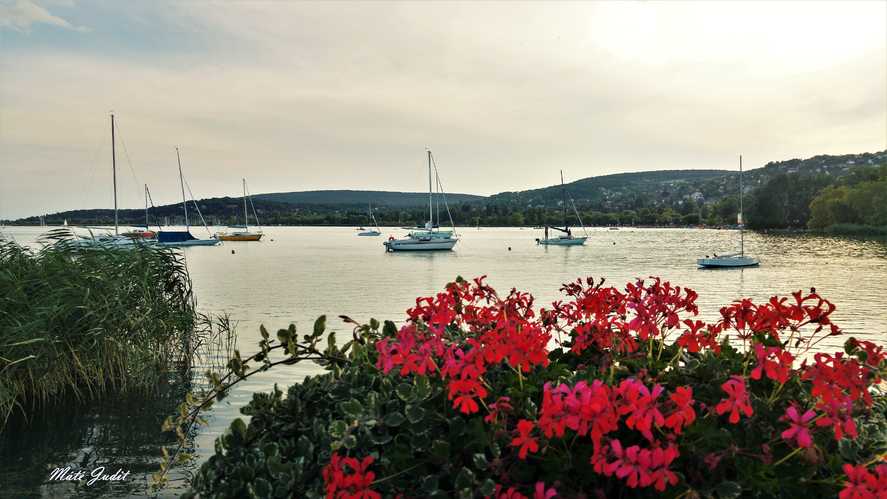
column 245, row 216
column 430, row 204
column 182, row 183
column 114, row 170
column 564, row 201
column 740, row 220
column 146, row 206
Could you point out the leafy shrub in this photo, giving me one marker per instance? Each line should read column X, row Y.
column 612, row 392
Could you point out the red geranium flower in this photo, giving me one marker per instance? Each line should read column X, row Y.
column 524, row 440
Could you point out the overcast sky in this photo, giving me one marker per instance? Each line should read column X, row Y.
column 300, row 96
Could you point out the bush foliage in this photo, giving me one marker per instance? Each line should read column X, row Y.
column 608, row 393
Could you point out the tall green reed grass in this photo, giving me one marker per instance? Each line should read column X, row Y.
column 84, row 322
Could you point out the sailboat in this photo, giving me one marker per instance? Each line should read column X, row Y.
column 431, row 238
column 567, row 238
column 245, row 234
column 374, row 231
column 732, row 260
column 178, row 238
column 145, row 233
column 116, row 239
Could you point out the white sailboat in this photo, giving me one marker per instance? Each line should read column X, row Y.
column 375, row 230
column 732, row 260
column 245, row 234
column 431, row 238
column 567, row 238
column 178, row 238
column 107, row 239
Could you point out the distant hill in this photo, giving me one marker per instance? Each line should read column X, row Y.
column 614, row 190
column 360, row 198
column 669, row 194
column 629, row 191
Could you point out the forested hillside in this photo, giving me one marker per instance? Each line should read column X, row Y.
column 777, row 195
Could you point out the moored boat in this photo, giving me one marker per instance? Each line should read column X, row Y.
column 732, row 260
column 178, row 238
column 370, row 232
column 567, row 238
column 431, row 238
column 245, row 234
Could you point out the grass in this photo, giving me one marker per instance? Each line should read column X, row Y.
column 86, row 321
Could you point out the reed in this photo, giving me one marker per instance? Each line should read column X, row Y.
column 83, row 322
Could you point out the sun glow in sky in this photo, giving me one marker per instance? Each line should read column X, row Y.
column 299, row 96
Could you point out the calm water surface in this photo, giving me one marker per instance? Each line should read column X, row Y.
column 299, row 273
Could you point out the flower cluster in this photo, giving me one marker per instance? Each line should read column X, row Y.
column 778, row 315
column 863, row 484
column 498, row 330
column 342, row 484
column 539, row 492
column 775, row 362
column 615, row 321
column 622, row 396
column 840, row 382
column 597, row 410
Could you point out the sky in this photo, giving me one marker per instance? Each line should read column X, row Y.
column 338, row 95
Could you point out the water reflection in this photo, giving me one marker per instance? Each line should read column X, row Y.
column 121, row 432
column 300, row 273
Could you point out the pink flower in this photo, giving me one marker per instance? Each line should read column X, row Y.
column 542, row 493
column 736, row 401
column 798, row 431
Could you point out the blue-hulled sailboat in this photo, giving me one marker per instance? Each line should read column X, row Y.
column 179, row 238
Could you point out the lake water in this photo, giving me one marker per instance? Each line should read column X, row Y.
column 299, row 273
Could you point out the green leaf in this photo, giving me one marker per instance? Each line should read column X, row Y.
column 304, row 447
column 283, row 336
column 728, row 490
column 319, row 326
column 487, row 488
column 848, row 450
column 404, row 391
column 350, row 441
column 238, row 427
column 380, row 438
column 421, row 388
column 389, row 329
column 465, row 479
column 337, row 429
column 440, row 449
column 374, row 324
column 415, row 413
column 352, row 408
column 261, row 487
column 430, row 484
column 394, row 419
column 479, row 460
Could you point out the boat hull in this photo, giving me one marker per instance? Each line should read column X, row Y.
column 240, row 237
column 727, row 263
column 573, row 241
column 420, row 245
column 192, row 242
column 370, row 233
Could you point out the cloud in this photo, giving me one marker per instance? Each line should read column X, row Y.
column 346, row 95
column 23, row 14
